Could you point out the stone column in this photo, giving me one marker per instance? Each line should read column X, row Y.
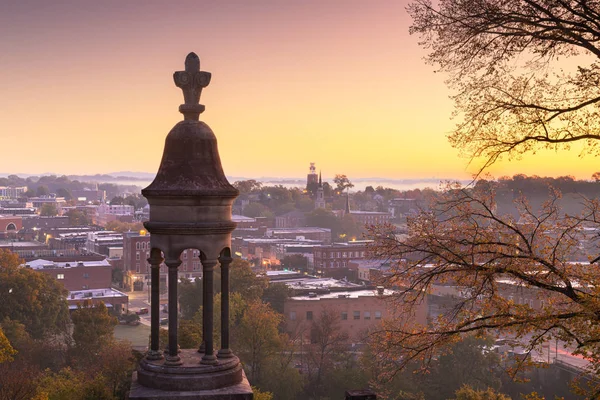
column 207, row 312
column 225, row 351
column 173, row 358
column 155, row 260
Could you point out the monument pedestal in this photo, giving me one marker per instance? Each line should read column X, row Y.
column 241, row 391
column 223, row 380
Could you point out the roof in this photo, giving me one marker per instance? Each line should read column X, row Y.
column 309, row 282
column 349, row 294
column 41, row 264
column 95, row 294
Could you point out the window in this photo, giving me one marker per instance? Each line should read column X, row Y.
column 377, row 314
column 185, row 265
column 185, row 255
column 137, row 246
column 309, row 316
column 344, row 315
column 137, row 267
column 137, row 256
column 60, row 276
column 356, row 314
column 86, row 275
column 367, row 315
column 292, row 315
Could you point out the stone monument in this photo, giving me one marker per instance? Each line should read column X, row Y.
column 190, row 207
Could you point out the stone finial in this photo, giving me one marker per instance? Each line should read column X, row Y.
column 191, row 81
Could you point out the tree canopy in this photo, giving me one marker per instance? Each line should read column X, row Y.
column 35, row 299
column 505, row 61
column 513, row 277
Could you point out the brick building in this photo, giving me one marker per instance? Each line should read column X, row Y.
column 338, row 255
column 10, row 226
column 76, row 275
column 358, row 311
column 136, row 251
column 371, row 217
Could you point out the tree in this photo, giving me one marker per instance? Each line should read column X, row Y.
column 33, row 298
column 117, row 200
column 48, row 210
column 78, row 218
column 121, row 227
column 327, row 341
column 66, row 193
column 502, row 59
column 511, row 276
column 254, row 210
column 468, row 393
column 244, row 281
column 257, row 338
column 295, row 261
column 247, row 186
column 342, row 183
column 276, row 294
column 6, row 350
column 467, row 362
column 190, row 297
column 42, row 191
column 93, row 330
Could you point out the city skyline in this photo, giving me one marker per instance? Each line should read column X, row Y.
column 87, row 89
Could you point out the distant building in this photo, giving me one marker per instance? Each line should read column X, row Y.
column 370, row 270
column 12, row 192
column 10, row 226
column 136, row 251
column 76, row 275
column 101, row 241
column 312, row 178
column 308, row 232
column 338, row 255
column 58, row 202
column 357, row 309
column 268, row 251
column 320, row 195
column 371, row 217
column 46, row 222
column 112, row 299
column 292, row 219
column 106, row 213
column 89, row 195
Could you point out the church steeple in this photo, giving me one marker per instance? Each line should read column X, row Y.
column 320, row 199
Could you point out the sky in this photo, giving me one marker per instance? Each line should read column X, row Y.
column 86, row 87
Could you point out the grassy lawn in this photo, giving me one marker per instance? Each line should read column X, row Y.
column 137, row 335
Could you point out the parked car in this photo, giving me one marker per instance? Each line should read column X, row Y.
column 164, row 321
column 142, row 311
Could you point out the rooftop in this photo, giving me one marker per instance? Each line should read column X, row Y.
column 41, row 264
column 349, row 294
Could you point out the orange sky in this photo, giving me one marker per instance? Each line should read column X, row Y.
column 86, row 87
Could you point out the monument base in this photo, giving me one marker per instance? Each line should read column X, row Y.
column 240, row 391
column 157, row 379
